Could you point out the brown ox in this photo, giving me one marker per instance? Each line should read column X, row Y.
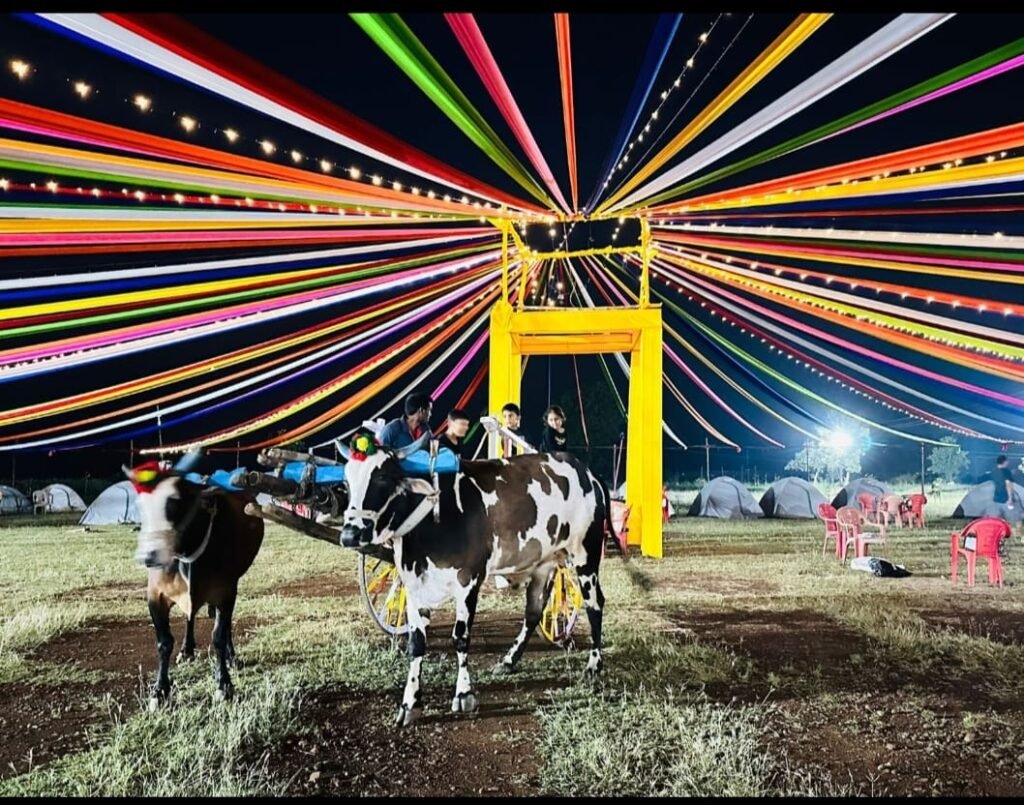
column 197, row 543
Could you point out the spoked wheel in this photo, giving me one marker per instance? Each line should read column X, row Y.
column 563, row 607
column 383, row 594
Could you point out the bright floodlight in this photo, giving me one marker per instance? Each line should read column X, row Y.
column 841, row 439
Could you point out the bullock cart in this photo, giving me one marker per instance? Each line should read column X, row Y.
column 308, row 495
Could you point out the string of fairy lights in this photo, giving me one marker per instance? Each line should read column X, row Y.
column 264, row 146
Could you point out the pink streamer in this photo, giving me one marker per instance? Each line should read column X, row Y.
column 806, row 329
column 472, row 40
column 195, row 320
column 461, row 364
column 86, row 238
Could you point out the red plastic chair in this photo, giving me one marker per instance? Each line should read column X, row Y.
column 869, row 506
column 891, row 506
column 620, row 523
column 827, row 512
column 980, row 538
column 851, row 522
column 916, row 513
column 666, row 506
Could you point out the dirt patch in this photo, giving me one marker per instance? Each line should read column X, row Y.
column 889, row 744
column 717, row 585
column 352, row 748
column 114, row 591
column 998, row 625
column 41, row 723
column 326, row 585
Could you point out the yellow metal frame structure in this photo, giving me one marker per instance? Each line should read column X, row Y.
column 517, row 332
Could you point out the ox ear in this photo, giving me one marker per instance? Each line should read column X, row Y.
column 418, row 486
column 127, row 472
column 408, row 450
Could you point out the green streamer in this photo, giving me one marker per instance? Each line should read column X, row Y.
column 398, row 41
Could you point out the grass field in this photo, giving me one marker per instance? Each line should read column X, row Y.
column 744, row 662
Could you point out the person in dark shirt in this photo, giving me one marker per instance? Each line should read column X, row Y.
column 554, row 438
column 454, row 437
column 1003, row 496
column 403, row 431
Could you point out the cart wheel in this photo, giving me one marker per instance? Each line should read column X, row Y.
column 563, row 607
column 383, row 594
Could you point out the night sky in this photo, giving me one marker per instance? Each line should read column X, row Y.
column 330, row 55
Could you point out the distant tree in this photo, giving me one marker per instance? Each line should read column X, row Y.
column 830, row 460
column 948, row 462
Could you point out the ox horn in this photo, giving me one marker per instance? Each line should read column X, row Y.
column 343, row 449
column 127, row 472
column 408, row 450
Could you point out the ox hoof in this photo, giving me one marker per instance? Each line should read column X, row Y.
column 504, row 668
column 407, row 716
column 592, row 675
column 185, row 656
column 157, row 699
column 465, row 703
column 224, row 694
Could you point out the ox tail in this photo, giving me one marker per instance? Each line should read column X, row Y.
column 637, row 577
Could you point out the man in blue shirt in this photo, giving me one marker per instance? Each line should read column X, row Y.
column 405, row 430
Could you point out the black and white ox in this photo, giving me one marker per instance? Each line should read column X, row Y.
column 518, row 518
column 197, row 542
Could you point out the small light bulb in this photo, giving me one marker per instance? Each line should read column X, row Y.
column 231, row 134
column 143, row 103
column 354, row 173
column 268, row 147
column 188, row 123
column 19, row 68
column 82, row 89
column 376, row 180
column 326, row 166
column 296, row 156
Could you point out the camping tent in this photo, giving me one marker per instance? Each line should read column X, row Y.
column 61, row 498
column 116, row 504
column 861, row 486
column 792, row 497
column 724, row 497
column 978, row 500
column 14, row 502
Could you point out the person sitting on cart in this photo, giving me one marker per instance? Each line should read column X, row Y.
column 554, row 438
column 404, row 430
column 511, row 419
column 454, row 437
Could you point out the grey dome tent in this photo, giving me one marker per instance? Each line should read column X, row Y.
column 13, row 501
column 724, row 497
column 978, row 500
column 116, row 504
column 793, row 498
column 861, row 486
column 62, row 498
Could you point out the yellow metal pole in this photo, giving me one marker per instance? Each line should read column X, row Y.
column 504, row 370
column 645, row 270
column 651, row 440
column 504, row 260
